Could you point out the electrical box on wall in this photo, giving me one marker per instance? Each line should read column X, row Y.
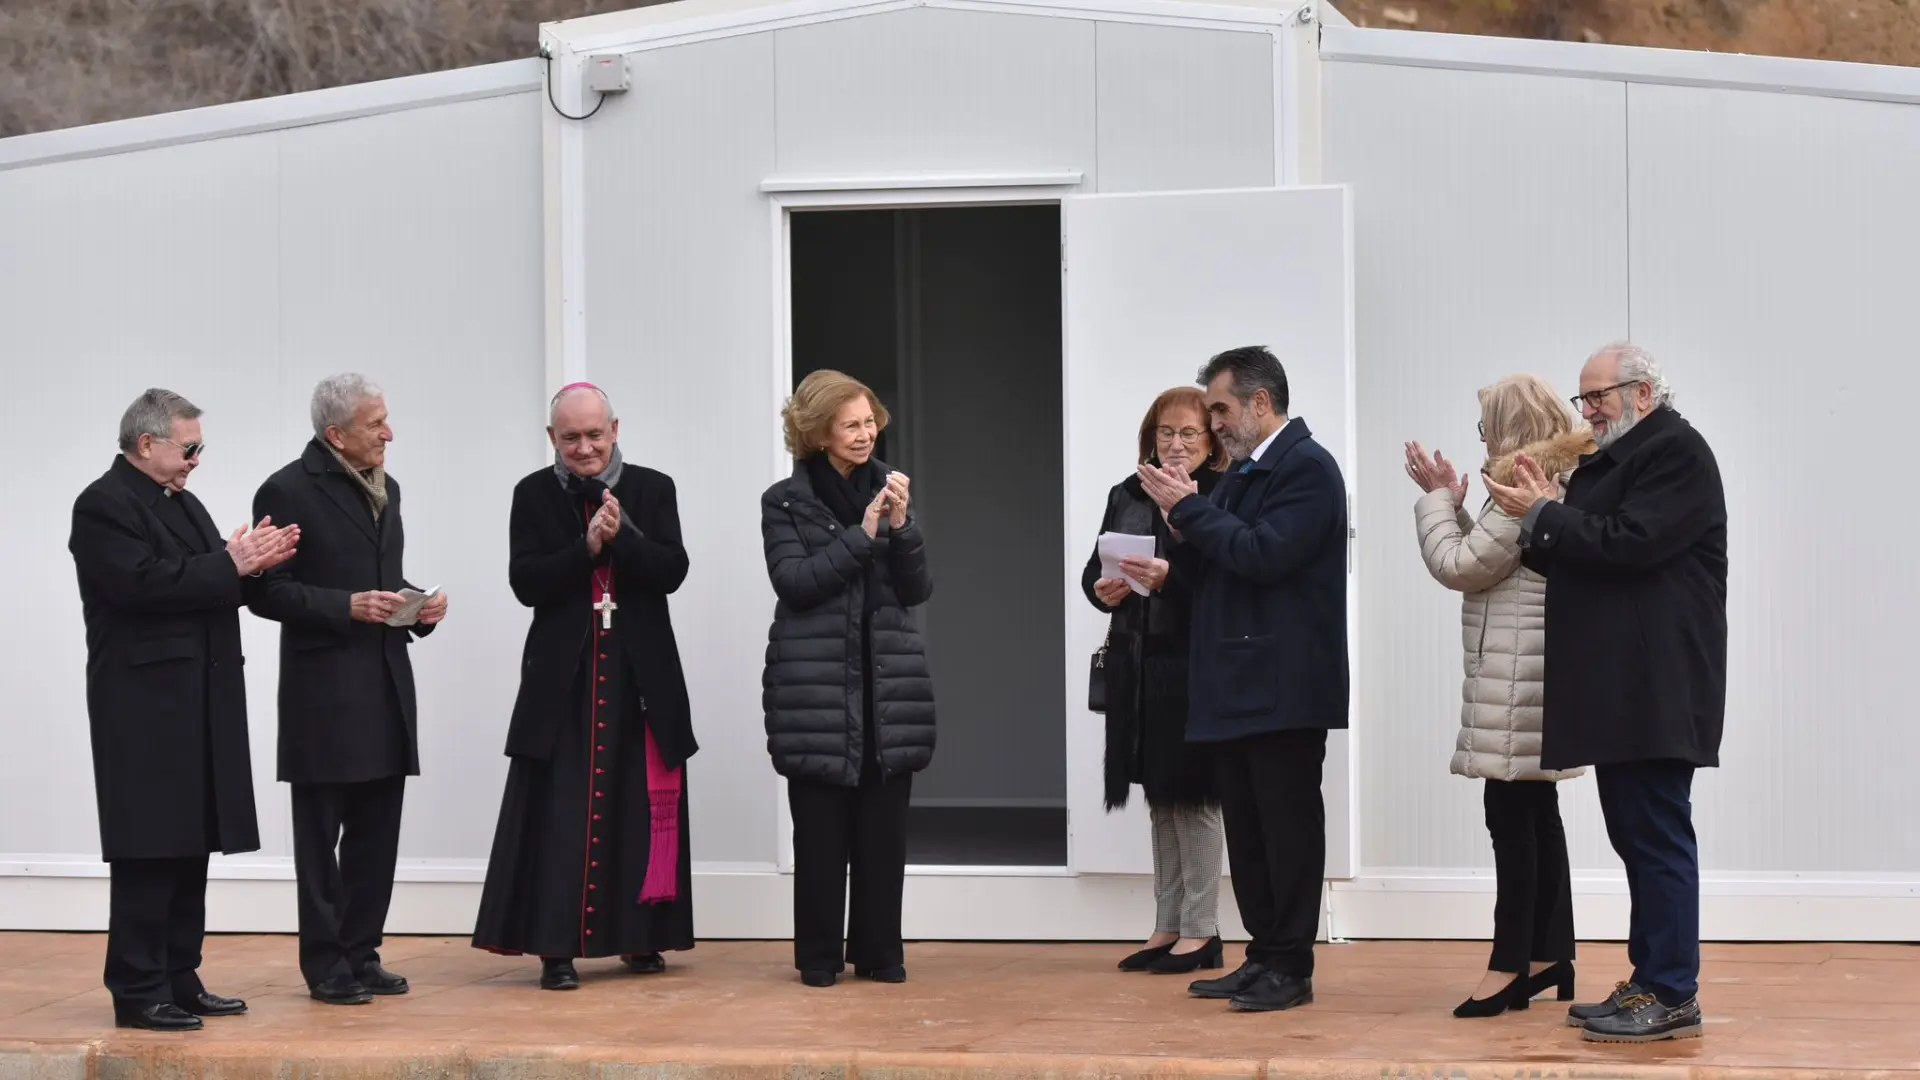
column 607, row 74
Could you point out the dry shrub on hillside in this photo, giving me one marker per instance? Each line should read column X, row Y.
column 69, row 62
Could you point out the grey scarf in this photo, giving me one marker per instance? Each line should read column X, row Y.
column 372, row 483
column 609, row 476
column 586, row 485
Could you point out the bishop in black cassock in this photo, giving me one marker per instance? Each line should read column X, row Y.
column 591, row 856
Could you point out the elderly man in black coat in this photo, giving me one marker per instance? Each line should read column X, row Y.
column 1636, row 566
column 1269, row 663
column 166, row 704
column 592, row 856
column 347, row 716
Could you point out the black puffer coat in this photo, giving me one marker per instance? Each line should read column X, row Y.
column 814, row 686
column 1147, row 658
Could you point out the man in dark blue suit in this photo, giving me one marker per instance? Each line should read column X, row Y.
column 1268, row 555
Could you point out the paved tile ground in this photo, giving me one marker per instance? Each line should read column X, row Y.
column 1792, row 1012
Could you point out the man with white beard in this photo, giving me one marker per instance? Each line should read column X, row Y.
column 1636, row 566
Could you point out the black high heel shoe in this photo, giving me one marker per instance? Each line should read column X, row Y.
column 1208, row 956
column 1559, row 975
column 1514, row 996
column 1138, row 961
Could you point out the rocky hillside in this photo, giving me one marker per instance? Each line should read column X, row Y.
column 70, row 62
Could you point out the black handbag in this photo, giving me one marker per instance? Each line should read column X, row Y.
column 1097, row 677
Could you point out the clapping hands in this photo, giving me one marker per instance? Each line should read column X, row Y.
column 1166, row 486
column 604, row 526
column 1530, row 485
column 262, row 547
column 1436, row 473
column 889, row 502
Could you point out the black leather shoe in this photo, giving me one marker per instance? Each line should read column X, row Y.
column 205, row 1004
column 558, row 975
column 645, row 963
column 895, row 974
column 1205, row 958
column 1274, row 992
column 341, row 990
column 1643, row 1019
column 821, row 979
column 1513, row 996
column 380, row 981
column 1578, row 1015
column 1229, row 984
column 165, row 1016
column 1138, row 961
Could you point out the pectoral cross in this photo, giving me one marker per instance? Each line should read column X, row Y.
column 606, row 608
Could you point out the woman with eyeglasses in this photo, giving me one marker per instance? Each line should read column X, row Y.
column 1503, row 629
column 1145, row 696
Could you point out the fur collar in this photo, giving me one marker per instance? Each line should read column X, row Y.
column 1557, row 456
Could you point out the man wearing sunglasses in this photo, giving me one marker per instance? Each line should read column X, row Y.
column 166, row 704
column 1636, row 568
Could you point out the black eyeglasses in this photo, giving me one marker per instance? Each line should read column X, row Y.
column 1592, row 398
column 1185, row 435
column 1482, row 425
column 190, row 451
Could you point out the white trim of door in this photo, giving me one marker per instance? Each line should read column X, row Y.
column 255, row 894
column 789, row 194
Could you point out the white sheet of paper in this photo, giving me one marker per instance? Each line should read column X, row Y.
column 409, row 612
column 1116, row 546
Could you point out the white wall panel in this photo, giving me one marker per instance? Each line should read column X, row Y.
column 238, row 271
column 158, row 268
column 411, row 246
column 1490, row 238
column 1181, row 109
column 1773, row 272
column 679, row 332
column 934, row 89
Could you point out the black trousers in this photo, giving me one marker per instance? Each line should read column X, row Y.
column 346, row 840
column 156, row 919
column 1649, row 810
column 1276, row 825
column 841, row 832
column 1533, row 898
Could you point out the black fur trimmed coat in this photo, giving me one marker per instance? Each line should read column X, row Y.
column 1147, row 661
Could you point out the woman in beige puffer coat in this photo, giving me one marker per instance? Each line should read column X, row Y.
column 1503, row 630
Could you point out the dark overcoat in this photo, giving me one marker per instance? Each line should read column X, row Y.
column 813, row 688
column 166, row 693
column 340, row 680
column 1148, row 645
column 1268, row 551
column 551, row 571
column 1636, row 566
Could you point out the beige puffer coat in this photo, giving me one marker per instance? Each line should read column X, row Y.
column 1502, row 620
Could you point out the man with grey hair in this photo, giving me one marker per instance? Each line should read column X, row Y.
column 1636, row 566
column 592, row 855
column 348, row 726
column 166, row 704
column 1267, row 554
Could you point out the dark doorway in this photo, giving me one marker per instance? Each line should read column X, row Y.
column 952, row 316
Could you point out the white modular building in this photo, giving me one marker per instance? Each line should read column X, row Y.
column 1017, row 221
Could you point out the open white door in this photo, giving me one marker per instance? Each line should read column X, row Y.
column 1155, row 285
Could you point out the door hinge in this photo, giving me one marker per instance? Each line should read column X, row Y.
column 1351, row 534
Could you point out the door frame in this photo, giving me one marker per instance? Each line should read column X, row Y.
column 788, row 195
